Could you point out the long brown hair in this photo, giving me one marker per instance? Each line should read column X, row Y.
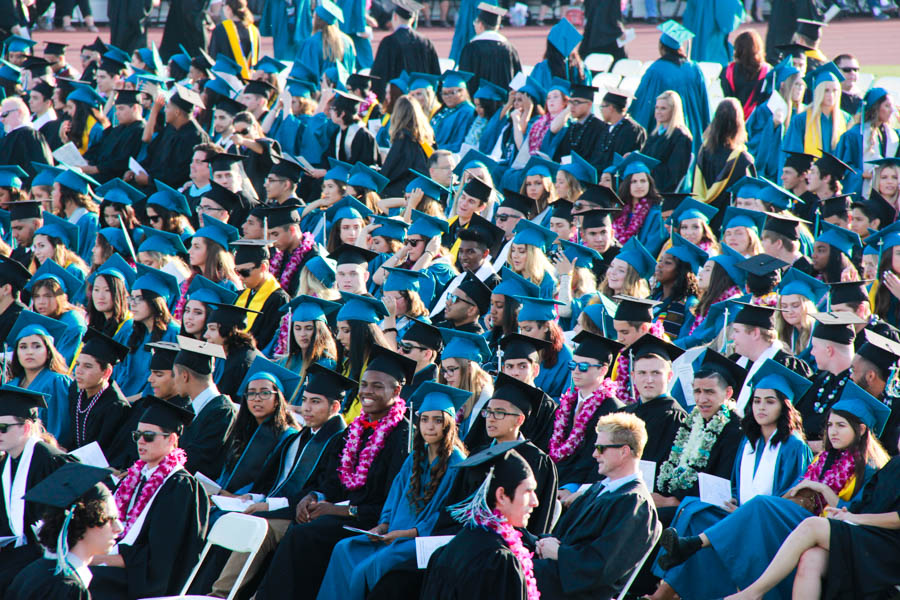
column 62, row 300
column 80, row 200
column 749, row 51
column 409, row 117
column 865, row 448
column 161, row 318
column 719, row 282
column 449, row 442
column 321, row 345
column 219, row 264
column 241, row 12
column 727, row 128
column 54, row 360
column 245, row 425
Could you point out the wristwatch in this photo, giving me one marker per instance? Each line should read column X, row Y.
column 352, row 510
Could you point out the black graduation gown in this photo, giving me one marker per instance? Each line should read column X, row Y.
column 89, row 75
column 101, row 424
column 218, row 41
column 295, row 572
column 473, row 327
column 22, row 146
column 864, row 561
column 797, row 365
column 850, row 103
column 807, row 210
column 39, row 581
column 783, row 23
column 204, row 439
column 50, row 131
column 8, row 319
column 128, row 23
column 602, row 539
column 583, row 138
column 662, row 416
column 185, row 27
column 22, row 254
column 476, row 563
column 715, row 166
column 45, row 459
column 603, row 25
column 242, row 469
column 125, row 449
column 495, row 60
column 257, row 166
column 111, row 153
column 804, row 265
column 537, row 428
column 891, row 434
column 405, row 154
column 266, row 325
column 362, row 149
column 429, row 373
column 403, row 50
column 621, row 138
column 580, row 466
column 825, row 391
column 166, row 549
column 169, row 154
column 674, row 153
column 235, row 368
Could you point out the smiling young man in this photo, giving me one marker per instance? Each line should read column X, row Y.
column 352, row 494
column 474, row 254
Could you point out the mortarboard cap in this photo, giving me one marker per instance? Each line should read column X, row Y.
column 836, row 327
column 115, row 266
column 867, row 408
column 423, row 333
column 390, row 227
column 31, row 323
column 364, row 176
column 12, row 272
column 477, row 291
column 564, row 37
column 24, row 209
column 403, row 279
column 534, row 90
column 638, row 257
column 348, row 254
column 537, row 309
column 637, row 310
column 186, row 99
column 20, row 403
column 432, row 395
column 490, row 91
column 876, row 207
column 742, row 217
column 329, row 12
column 347, row 207
column 762, row 264
column 391, row 363
column 77, row 181
column 754, row 315
column 229, row 315
column 429, row 186
column 163, row 355
column 674, row 34
column 478, row 189
column 426, row 225
column 596, row 346
column 322, row 268
column 581, row 256
column 116, row 190
column 836, row 206
column 796, row 281
column 482, row 231
column 562, row 209
column 309, row 308
column 338, row 170
column 829, row 164
column 260, row 87
column 197, row 355
column 323, row 381
column 512, row 284
column 799, row 161
column 733, row 373
column 267, row 64
column 844, row 240
column 784, row 224
column 264, row 369
column 532, row 234
column 519, row 202
column 490, row 14
column 538, row 165
column 580, row 169
column 170, row 199
column 650, row 345
column 167, row 415
column 846, row 292
column 207, row 291
column 520, row 346
column 772, row 375
column 49, row 269
column 217, row 231
column 583, row 92
column 228, row 200
column 636, row 162
column 229, row 106
column 454, row 79
column 164, row 242
column 809, row 29
column 158, row 283
column 526, row 398
column 72, row 482
column 464, row 345
column 694, row 209
column 361, row 308
column 55, row 48
column 103, row 348
column 687, row 252
column 61, row 229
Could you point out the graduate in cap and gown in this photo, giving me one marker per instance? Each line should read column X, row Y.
column 353, row 142
column 22, row 210
column 80, row 521
column 819, row 128
column 584, row 131
column 163, row 509
column 13, row 279
column 875, row 143
column 562, row 41
column 676, row 284
column 308, row 339
column 312, row 52
column 262, row 294
column 422, row 342
column 622, row 134
column 76, row 197
column 22, row 145
column 108, row 156
column 60, row 285
column 226, row 326
column 537, row 319
column 361, row 477
column 26, row 462
column 452, row 121
column 414, row 500
column 405, row 49
column 289, row 24
column 489, row 55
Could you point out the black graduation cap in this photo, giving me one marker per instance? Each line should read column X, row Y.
column 43, row 88
column 518, row 345
column 756, row 315
column 490, row 14
column 733, row 373
column 277, row 216
column 478, row 188
column 348, row 254
column 259, row 87
column 250, row 251
column 508, row 467
column 424, row 333
column 103, row 348
column 617, row 97
column 829, row 164
column 96, row 46
column 396, row 365
column 562, row 209
column 166, row 415
column 224, row 197
column 68, row 484
column 799, row 161
column 128, row 97
column 223, row 161
column 352, row 99
column 25, row 209
column 13, row 273
column 229, row 106
column 519, row 202
column 845, row 292
column 526, row 398
column 599, row 196
column 197, row 355
column 112, row 65
column 358, row 81
column 648, row 344
column 477, row 291
column 836, row 327
column 811, row 30
column 796, row 50
column 634, row 309
column 836, row 206
column 287, row 168
column 55, row 48
column 163, row 357
column 20, row 403
column 229, row 314
column 671, row 200
column 481, row 231
column 876, row 207
column 406, row 8
column 38, row 66
column 784, row 224
column 596, row 346
column 323, row 381
column 596, row 217
column 762, row 265
column 879, row 350
column 186, row 99
column 584, row 92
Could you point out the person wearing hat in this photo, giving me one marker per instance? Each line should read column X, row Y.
column 365, row 183
column 327, row 24
column 561, row 59
column 629, row 271
column 872, row 213
column 164, row 511
column 816, row 138
column 50, row 287
column 108, row 155
column 537, row 319
column 43, row 114
column 461, row 359
column 763, row 274
column 452, row 121
column 740, row 230
column 13, row 279
column 622, row 134
column 676, row 288
column 345, row 223
column 226, row 326
column 764, row 139
column 292, row 247
column 793, row 178
column 196, row 302
column 352, row 142
column 25, row 218
column 489, row 55
column 669, row 140
column 208, row 256
column 351, row 269
column 281, row 182
column 422, row 342
column 630, row 319
column 867, row 159
column 401, row 295
column 781, row 237
column 798, row 299
column 873, row 369
column 404, row 48
column 466, row 305
column 223, row 122
column 580, row 136
column 311, row 340
column 852, row 297
column 691, row 220
column 528, row 256
column 21, row 145
column 262, row 293
column 756, row 529
column 719, row 280
column 375, row 446
column 833, row 252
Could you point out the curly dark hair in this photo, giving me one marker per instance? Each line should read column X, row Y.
column 451, row 440
column 235, row 338
column 90, row 511
column 790, row 422
column 685, row 281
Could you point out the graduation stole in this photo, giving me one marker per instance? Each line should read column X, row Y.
column 812, row 137
column 454, row 249
column 709, row 194
column 234, row 41
column 259, row 298
column 86, row 134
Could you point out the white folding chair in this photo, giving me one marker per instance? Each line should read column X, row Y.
column 710, row 70
column 628, row 66
column 630, row 84
column 446, row 63
column 598, row 63
column 233, row 531
column 634, row 574
column 606, row 80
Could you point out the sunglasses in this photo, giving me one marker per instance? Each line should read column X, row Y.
column 489, row 413
column 505, row 218
column 245, row 272
column 155, row 218
column 4, row 427
column 453, row 299
column 581, row 366
column 849, row 69
column 601, row 448
column 147, row 436
column 414, row 243
column 406, row 348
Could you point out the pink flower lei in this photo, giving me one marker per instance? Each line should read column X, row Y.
column 173, row 461
column 354, row 469
column 629, row 222
column 513, row 538
column 561, row 449
column 179, row 307
column 836, row 477
column 296, row 259
column 624, row 391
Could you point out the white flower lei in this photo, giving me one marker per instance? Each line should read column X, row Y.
column 690, row 451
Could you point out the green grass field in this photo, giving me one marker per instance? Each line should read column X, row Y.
column 882, row 70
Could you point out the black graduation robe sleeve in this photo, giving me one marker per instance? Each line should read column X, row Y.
column 674, row 154
column 236, row 366
column 103, row 422
column 494, row 60
column 538, row 427
column 405, row 154
column 364, row 149
column 580, row 466
column 204, row 439
column 267, row 325
column 22, row 147
column 38, row 581
column 111, row 153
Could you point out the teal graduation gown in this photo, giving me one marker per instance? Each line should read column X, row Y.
column 355, row 23
column 131, row 374
column 764, row 142
column 541, row 73
column 357, row 564
column 288, row 30
column 796, row 132
column 712, row 21
column 310, row 54
column 452, row 124
column 56, row 417
column 556, row 379
column 69, row 342
column 88, row 226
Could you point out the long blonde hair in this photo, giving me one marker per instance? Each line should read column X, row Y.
column 575, row 189
column 332, row 41
column 536, row 264
column 408, row 116
column 787, row 92
column 786, row 331
column 311, row 286
column 677, row 107
column 814, row 110
column 634, row 286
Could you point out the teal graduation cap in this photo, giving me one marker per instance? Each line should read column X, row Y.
column 401, row 82
column 581, row 256
column 538, row 165
column 419, row 81
column 533, row 234
column 169, row 198
column 635, row 254
column 116, row 190
column 87, row 96
column 116, row 237
column 399, row 280
column 564, row 37
column 580, row 169
column 225, row 64
column 748, row 187
column 17, row 43
column 686, row 251
column 534, row 90
column 693, row 209
column 512, row 284
column 115, row 266
column 464, row 345
column 263, row 369
column 636, row 162
column 490, row 91
column 603, row 314
column 157, row 282
column 217, row 231
column 61, row 229
column 796, row 281
column 338, row 170
column 885, row 239
column 729, row 260
column 426, row 225
column 50, row 269
column 613, row 168
column 389, row 227
column 742, row 217
column 267, row 64
column 46, row 174
column 775, row 376
column 474, row 159
column 454, row 79
column 361, row 308
column 870, row 410
column 674, row 35
column 347, row 207
column 364, row 176
column 31, row 323
column 829, row 72
column 11, row 176
column 10, row 72
column 537, row 309
column 777, row 196
column 838, row 237
column 164, row 242
column 300, row 88
column 309, row 308
column 207, row 291
column 429, row 186
column 432, row 395
column 322, row 268
column 77, row 181
column 560, row 84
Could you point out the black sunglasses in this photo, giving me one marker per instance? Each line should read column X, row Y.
column 147, row 436
column 245, row 272
column 4, row 427
column 406, row 347
column 601, row 448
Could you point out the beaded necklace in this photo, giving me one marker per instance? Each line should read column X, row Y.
column 820, row 406
column 81, row 423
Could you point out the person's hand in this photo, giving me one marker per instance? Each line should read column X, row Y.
column 317, row 173
column 64, row 128
column 322, row 509
column 516, row 118
column 402, row 254
column 848, row 274
column 142, row 179
column 256, row 507
column 159, row 102
column 391, row 536
column 548, row 548
column 128, row 176
column 238, row 139
column 433, row 246
column 416, row 197
column 562, row 494
column 868, row 174
column 730, row 505
column 563, row 265
column 816, row 446
column 891, row 282
column 90, row 169
column 390, row 303
column 839, row 514
column 303, row 508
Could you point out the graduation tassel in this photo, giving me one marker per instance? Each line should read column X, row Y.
column 499, row 359
column 412, row 427
column 632, row 384
column 724, row 334
column 892, row 388
column 3, row 374
column 474, row 510
column 128, row 240
column 265, row 229
column 62, row 544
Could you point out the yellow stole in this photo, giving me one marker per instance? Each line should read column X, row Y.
column 128, row 317
column 812, row 137
column 355, row 408
column 454, row 250
column 365, row 119
column 846, row 492
column 709, row 194
column 86, row 136
column 234, row 41
column 259, row 298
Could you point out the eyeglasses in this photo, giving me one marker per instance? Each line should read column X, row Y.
column 581, row 366
column 242, row 131
column 4, row 427
column 147, row 436
column 490, row 413
column 504, row 218
column 849, row 69
column 154, row 218
column 453, row 299
column 246, row 272
column 406, row 347
column 6, row 113
column 449, row 370
column 271, row 179
column 601, row 448
column 262, row 394
column 207, row 208
column 135, row 299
